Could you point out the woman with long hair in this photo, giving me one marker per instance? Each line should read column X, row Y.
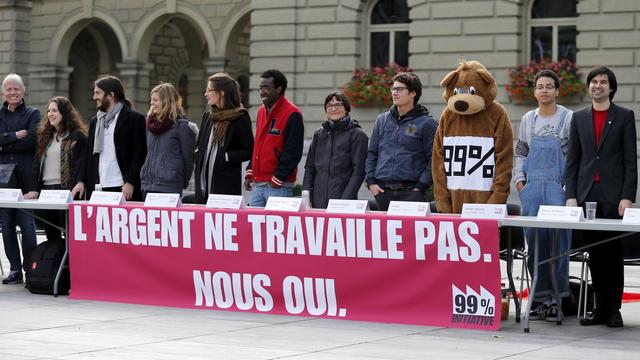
column 60, row 156
column 171, row 139
column 225, row 140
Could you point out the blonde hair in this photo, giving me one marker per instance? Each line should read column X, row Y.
column 170, row 100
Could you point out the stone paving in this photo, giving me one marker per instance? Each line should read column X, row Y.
column 44, row 327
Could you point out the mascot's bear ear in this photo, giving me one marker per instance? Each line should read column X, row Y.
column 490, row 82
column 451, row 78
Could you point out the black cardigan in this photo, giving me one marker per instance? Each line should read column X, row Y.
column 130, row 140
column 238, row 145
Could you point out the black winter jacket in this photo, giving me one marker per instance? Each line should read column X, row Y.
column 335, row 162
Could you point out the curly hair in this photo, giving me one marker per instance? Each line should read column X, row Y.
column 71, row 121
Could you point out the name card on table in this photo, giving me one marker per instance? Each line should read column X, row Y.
column 560, row 213
column 340, row 206
column 409, row 208
column 631, row 216
column 162, row 200
column 107, row 198
column 11, row 195
column 484, row 211
column 225, row 201
column 55, row 196
column 284, row 204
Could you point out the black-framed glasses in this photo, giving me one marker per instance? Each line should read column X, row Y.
column 337, row 105
column 398, row 89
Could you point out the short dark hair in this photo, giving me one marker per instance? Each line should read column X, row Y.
column 110, row 83
column 613, row 83
column 412, row 81
column 549, row 74
column 340, row 97
column 279, row 80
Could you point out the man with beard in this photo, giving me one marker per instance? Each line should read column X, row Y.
column 116, row 143
column 277, row 149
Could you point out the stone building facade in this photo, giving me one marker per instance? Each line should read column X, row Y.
column 61, row 46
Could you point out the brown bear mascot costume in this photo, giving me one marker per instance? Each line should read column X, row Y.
column 473, row 148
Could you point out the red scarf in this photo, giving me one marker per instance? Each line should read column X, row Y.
column 158, row 127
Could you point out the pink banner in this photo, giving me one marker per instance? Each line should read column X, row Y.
column 439, row 270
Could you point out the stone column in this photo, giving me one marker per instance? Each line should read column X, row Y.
column 135, row 78
column 45, row 82
column 214, row 64
column 15, row 33
column 195, row 89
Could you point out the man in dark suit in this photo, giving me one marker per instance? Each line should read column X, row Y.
column 601, row 167
column 117, row 143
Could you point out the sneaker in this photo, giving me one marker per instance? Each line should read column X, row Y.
column 539, row 312
column 552, row 313
column 15, row 277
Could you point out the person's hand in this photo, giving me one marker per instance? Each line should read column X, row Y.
column 375, row 189
column 31, row 195
column 520, row 186
column 78, row 189
column 22, row 133
column 572, row 203
column 127, row 191
column 624, row 203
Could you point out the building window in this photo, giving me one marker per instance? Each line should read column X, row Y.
column 552, row 30
column 388, row 33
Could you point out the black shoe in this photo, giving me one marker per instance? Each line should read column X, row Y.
column 597, row 318
column 615, row 319
column 15, row 277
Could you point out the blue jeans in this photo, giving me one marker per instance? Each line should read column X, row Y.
column 261, row 193
column 11, row 217
column 534, row 194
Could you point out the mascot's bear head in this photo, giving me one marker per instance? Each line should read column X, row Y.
column 469, row 89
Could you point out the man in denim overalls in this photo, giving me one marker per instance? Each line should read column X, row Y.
column 540, row 158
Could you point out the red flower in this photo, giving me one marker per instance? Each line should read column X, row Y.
column 372, row 86
column 521, row 78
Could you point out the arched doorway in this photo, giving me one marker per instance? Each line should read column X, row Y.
column 94, row 51
column 175, row 48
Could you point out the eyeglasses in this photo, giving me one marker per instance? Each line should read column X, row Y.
column 335, row 105
column 398, row 89
column 549, row 87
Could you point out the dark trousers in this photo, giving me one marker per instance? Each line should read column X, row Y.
column 24, row 219
column 605, row 260
column 404, row 194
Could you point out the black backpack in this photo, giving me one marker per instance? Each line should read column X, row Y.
column 43, row 267
column 570, row 303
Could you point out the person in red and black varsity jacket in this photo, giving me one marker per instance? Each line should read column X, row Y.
column 277, row 149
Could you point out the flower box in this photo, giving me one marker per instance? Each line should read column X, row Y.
column 372, row 87
column 520, row 87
